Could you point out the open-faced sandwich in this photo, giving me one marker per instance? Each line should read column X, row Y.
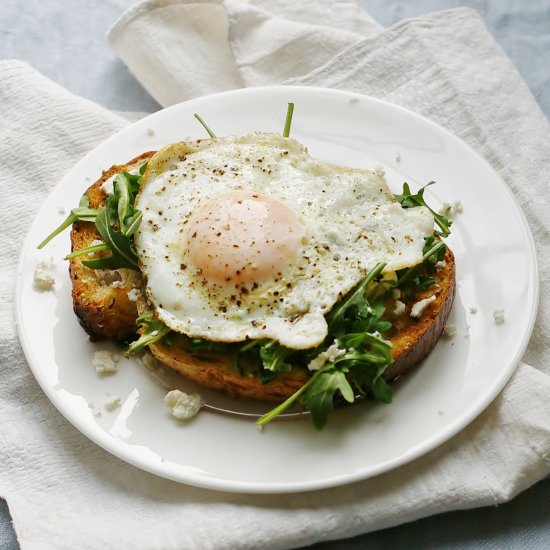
column 252, row 268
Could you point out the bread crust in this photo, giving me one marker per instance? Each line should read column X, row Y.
column 106, row 312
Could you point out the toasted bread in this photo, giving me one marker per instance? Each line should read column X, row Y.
column 105, row 311
column 100, row 297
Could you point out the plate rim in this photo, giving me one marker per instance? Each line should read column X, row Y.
column 115, row 447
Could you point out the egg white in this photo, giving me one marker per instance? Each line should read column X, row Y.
column 350, row 222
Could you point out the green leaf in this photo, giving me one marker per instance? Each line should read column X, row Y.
column 319, row 396
column 408, row 200
column 81, row 213
column 122, row 255
column 87, row 250
column 274, row 356
column 205, row 126
column 381, row 390
column 288, row 120
column 153, row 331
column 353, row 313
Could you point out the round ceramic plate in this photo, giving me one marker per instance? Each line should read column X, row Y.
column 496, row 270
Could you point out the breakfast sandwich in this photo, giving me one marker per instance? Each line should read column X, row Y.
column 252, row 268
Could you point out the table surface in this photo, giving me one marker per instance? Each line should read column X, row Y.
column 61, row 39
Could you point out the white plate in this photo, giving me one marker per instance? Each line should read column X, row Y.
column 496, row 270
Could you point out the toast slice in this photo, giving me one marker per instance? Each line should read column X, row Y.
column 107, row 309
column 101, row 298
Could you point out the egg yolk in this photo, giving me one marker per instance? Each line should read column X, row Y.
column 243, row 237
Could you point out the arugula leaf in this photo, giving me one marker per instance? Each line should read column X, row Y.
column 153, row 331
column 319, row 395
column 125, row 188
column 82, row 213
column 200, row 344
column 116, row 222
column 408, row 200
column 122, row 255
column 273, row 357
column 434, row 251
column 87, row 250
column 366, row 357
column 288, row 120
column 205, row 126
column 354, row 306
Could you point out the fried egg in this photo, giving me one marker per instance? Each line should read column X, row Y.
column 249, row 237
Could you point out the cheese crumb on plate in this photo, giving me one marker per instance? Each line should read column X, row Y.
column 113, row 404
column 105, row 362
column 43, row 278
column 499, row 315
column 183, row 406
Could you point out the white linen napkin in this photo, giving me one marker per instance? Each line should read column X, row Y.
column 179, row 49
column 65, row 492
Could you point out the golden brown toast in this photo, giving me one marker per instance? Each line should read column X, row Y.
column 100, row 297
column 105, row 311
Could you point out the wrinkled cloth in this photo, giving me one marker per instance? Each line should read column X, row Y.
column 65, row 492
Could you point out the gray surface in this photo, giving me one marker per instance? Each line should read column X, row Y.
column 65, row 41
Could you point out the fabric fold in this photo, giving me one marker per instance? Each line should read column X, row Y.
column 179, row 49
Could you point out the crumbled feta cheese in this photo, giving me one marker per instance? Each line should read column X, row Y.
column 117, row 284
column 379, row 171
column 108, row 186
column 134, row 294
column 441, row 264
column 396, row 293
column 450, row 331
column 399, row 308
column 113, row 404
column 150, row 132
column 454, row 208
column 473, row 310
column 499, row 315
column 329, row 355
column 43, row 278
column 183, row 406
column 105, row 362
column 418, row 309
column 397, row 156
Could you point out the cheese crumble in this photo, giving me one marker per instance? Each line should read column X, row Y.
column 113, row 404
column 329, row 355
column 499, row 315
column 418, row 309
column 105, row 362
column 43, row 279
column 399, row 308
column 133, row 294
column 450, row 331
column 183, row 406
